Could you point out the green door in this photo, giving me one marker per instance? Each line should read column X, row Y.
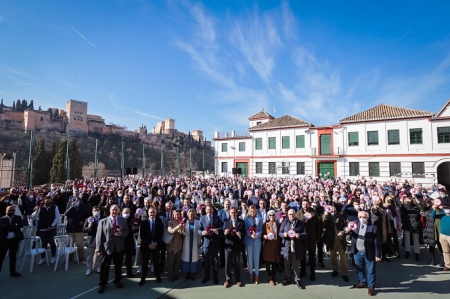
column 326, row 170
column 244, row 168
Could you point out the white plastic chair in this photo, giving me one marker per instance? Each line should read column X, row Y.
column 137, row 246
column 64, row 247
column 61, row 229
column 29, row 240
column 28, row 231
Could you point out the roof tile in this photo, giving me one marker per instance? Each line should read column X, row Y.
column 383, row 111
column 285, row 121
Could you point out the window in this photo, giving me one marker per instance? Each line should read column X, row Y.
column 325, row 144
column 374, row 168
column 285, row 142
column 224, row 167
column 354, row 168
column 42, row 119
column 300, row 141
column 415, row 136
column 258, row 143
column 418, row 169
column 285, row 168
column 272, row 168
column 372, row 137
column 242, row 146
column 259, row 167
column 443, row 134
column 353, row 139
column 224, row 147
column 300, row 167
column 272, row 143
column 393, row 137
column 258, row 123
column 395, row 169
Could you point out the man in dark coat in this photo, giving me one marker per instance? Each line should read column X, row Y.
column 366, row 247
column 293, row 234
column 234, row 232
column 314, row 230
column 10, row 237
column 150, row 239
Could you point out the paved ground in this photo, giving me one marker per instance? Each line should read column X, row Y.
column 397, row 279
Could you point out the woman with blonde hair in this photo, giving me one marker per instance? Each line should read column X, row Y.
column 252, row 240
column 190, row 263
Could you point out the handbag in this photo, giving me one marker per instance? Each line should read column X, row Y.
column 167, row 237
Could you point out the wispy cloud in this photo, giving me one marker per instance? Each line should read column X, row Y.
column 2, row 19
column 149, row 115
column 19, row 73
column 82, row 36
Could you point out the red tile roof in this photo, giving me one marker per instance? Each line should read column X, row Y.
column 286, row 121
column 383, row 111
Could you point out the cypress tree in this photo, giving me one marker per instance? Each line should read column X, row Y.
column 50, row 156
column 31, row 106
column 76, row 169
column 40, row 174
column 58, row 170
column 14, row 106
column 18, row 106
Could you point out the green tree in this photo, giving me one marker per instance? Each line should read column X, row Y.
column 50, row 156
column 40, row 173
column 18, row 106
column 1, row 106
column 58, row 171
column 24, row 105
column 14, row 106
column 31, row 106
column 76, row 169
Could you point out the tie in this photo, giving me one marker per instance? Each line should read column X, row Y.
column 362, row 226
column 115, row 221
column 210, row 222
column 168, row 215
column 153, row 229
column 233, row 223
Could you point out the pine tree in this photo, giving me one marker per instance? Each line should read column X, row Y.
column 58, row 171
column 76, row 169
column 40, row 174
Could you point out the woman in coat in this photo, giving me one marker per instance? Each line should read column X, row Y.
column 176, row 227
column 430, row 237
column 190, row 263
column 252, row 242
column 272, row 246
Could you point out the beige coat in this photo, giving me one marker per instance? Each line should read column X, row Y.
column 176, row 230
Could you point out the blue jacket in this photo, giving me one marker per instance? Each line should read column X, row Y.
column 248, row 223
column 211, row 241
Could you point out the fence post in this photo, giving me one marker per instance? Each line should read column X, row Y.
column 30, row 162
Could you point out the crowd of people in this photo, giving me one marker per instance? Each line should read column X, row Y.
column 235, row 224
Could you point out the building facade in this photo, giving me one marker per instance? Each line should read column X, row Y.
column 384, row 142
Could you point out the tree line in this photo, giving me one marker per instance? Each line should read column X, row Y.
column 50, row 166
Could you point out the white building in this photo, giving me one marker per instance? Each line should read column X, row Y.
column 384, row 142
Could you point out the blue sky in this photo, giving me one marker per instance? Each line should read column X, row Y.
column 212, row 64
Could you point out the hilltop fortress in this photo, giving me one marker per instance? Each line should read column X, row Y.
column 75, row 120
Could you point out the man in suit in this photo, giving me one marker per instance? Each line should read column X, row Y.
column 224, row 215
column 314, row 230
column 110, row 243
column 292, row 248
column 150, row 239
column 10, row 237
column 211, row 229
column 262, row 211
column 90, row 228
column 366, row 247
column 234, row 232
column 165, row 217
